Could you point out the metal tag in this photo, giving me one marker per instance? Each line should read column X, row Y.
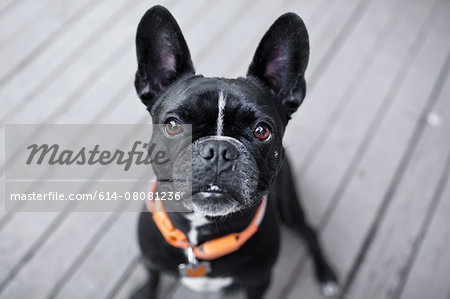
column 194, row 268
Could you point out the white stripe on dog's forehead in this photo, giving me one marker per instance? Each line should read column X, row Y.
column 221, row 105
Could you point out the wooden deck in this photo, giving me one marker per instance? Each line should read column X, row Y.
column 370, row 146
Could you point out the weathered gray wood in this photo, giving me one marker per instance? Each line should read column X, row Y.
column 244, row 24
column 7, row 6
column 390, row 252
column 55, row 257
column 79, row 76
column 338, row 26
column 429, row 274
column 326, row 101
column 15, row 18
column 68, row 86
column 347, row 61
column 247, row 35
column 37, row 34
column 320, row 183
column 16, row 238
column 364, row 193
column 83, row 74
column 202, row 41
column 246, row 32
column 57, row 57
column 137, row 277
column 96, row 275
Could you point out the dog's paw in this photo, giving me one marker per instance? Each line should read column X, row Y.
column 330, row 288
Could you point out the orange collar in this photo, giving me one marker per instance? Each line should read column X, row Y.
column 208, row 250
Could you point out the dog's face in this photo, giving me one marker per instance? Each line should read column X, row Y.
column 237, row 125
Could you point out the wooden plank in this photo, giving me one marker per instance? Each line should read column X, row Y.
column 7, row 5
column 41, row 260
column 353, row 53
column 80, row 78
column 429, row 274
column 12, row 22
column 55, row 256
column 43, row 236
column 136, row 278
column 360, row 100
column 215, row 28
column 246, row 32
column 2, row 176
column 249, row 40
column 389, row 254
column 321, row 102
column 17, row 239
column 58, row 56
column 82, row 73
column 105, row 263
column 336, row 29
column 101, row 99
column 386, row 144
column 95, row 18
column 324, row 105
column 36, row 37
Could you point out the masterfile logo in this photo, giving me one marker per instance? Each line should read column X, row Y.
column 93, row 167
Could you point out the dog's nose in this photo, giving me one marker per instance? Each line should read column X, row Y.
column 221, row 153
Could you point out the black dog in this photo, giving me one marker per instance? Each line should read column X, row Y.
column 237, row 156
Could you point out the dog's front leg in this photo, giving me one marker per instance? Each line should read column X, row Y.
column 292, row 215
column 257, row 291
column 150, row 288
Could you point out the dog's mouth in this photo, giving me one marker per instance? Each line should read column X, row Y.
column 213, row 203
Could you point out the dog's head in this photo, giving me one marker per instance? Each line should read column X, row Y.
column 237, row 125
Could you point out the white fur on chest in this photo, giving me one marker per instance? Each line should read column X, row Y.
column 195, row 221
column 202, row 284
column 206, row 284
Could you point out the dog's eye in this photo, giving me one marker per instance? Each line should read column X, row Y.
column 262, row 132
column 173, row 126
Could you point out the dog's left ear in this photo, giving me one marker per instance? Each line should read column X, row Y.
column 162, row 54
column 280, row 61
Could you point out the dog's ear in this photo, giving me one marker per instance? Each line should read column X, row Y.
column 280, row 61
column 162, row 54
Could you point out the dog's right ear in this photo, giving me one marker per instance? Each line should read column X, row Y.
column 162, row 54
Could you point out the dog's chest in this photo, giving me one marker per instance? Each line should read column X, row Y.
column 206, row 284
column 195, row 222
column 202, row 284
